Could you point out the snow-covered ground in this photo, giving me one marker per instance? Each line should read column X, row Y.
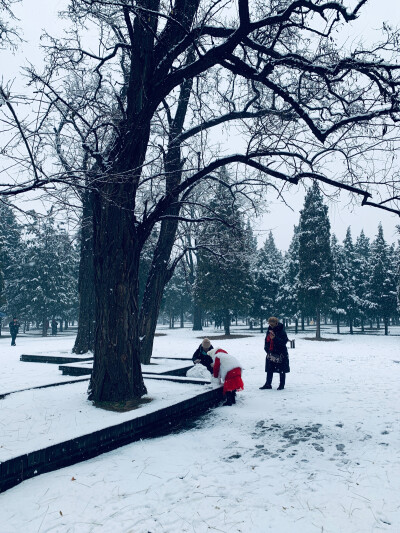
column 322, row 455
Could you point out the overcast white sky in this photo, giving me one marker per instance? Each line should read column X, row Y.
column 36, row 16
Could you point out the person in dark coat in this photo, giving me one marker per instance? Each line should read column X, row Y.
column 14, row 327
column 277, row 358
column 201, row 357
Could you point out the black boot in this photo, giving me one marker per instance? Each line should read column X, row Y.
column 234, row 396
column 266, row 386
column 282, row 380
column 228, row 399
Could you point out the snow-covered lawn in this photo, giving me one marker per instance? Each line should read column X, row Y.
column 323, row 455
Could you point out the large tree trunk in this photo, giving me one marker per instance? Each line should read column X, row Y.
column 158, row 277
column 85, row 336
column 338, row 323
column 117, row 241
column 197, row 322
column 117, row 372
column 386, row 322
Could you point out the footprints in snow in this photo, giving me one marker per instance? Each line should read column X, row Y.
column 285, row 442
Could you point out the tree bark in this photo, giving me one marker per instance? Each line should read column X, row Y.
column 158, row 277
column 386, row 322
column 197, row 323
column 116, row 372
column 85, row 336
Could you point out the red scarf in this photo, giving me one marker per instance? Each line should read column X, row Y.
column 271, row 343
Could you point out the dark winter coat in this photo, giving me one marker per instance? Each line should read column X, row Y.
column 14, row 327
column 205, row 359
column 277, row 346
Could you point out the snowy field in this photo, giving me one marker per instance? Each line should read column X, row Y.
column 322, row 455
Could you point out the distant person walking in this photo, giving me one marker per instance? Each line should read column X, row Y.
column 14, row 327
column 54, row 325
column 200, row 355
column 277, row 358
column 228, row 369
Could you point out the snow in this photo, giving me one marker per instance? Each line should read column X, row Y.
column 321, row 456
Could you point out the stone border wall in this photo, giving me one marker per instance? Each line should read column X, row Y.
column 53, row 359
column 73, row 451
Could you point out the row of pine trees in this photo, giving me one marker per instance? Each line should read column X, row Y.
column 354, row 283
column 222, row 274
column 38, row 271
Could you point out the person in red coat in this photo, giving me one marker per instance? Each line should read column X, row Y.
column 228, row 369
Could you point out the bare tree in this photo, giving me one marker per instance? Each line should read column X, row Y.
column 9, row 36
column 270, row 68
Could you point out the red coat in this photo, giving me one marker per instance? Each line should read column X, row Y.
column 233, row 378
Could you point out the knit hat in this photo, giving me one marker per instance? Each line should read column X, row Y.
column 206, row 344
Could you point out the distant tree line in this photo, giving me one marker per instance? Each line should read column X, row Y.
column 38, row 271
column 354, row 283
column 217, row 274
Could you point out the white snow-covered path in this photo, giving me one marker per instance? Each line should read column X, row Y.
column 323, row 455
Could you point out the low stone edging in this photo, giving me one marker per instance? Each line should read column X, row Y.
column 53, row 359
column 16, row 470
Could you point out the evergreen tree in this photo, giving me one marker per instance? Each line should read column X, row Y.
column 338, row 303
column 268, row 268
column 288, row 298
column 394, row 260
column 68, row 258
column 315, row 259
column 11, row 250
column 48, row 274
column 223, row 282
column 348, row 288
column 362, row 275
column 397, row 272
column 383, row 288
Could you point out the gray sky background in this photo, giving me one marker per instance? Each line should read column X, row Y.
column 35, row 16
